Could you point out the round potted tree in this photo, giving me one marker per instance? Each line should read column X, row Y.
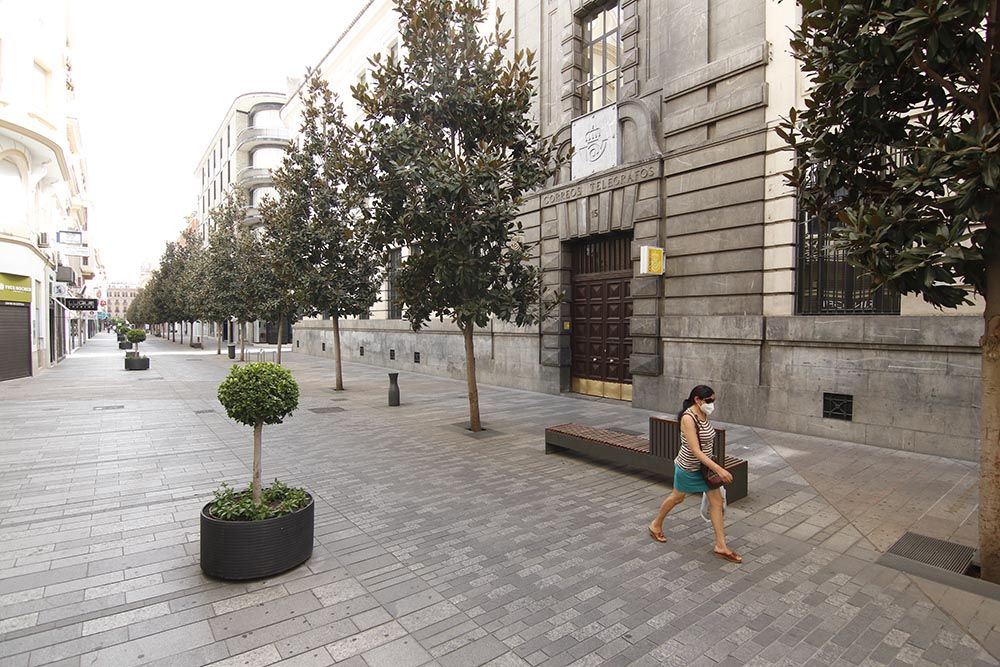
column 122, row 328
column 133, row 360
column 257, row 532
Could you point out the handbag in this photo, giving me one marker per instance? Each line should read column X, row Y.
column 712, row 478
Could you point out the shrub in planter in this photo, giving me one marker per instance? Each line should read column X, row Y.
column 259, row 531
column 133, row 360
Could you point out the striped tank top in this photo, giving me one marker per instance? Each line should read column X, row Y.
column 706, row 435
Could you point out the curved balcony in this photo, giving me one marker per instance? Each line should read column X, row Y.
column 253, row 177
column 252, row 137
column 252, row 218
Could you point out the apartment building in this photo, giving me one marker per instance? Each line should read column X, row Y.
column 671, row 110
column 45, row 255
column 249, row 143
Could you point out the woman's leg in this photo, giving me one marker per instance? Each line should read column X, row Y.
column 716, row 511
column 673, row 500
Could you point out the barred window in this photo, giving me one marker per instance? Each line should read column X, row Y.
column 601, row 48
column 827, row 284
column 395, row 261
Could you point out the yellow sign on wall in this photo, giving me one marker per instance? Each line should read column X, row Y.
column 15, row 288
column 651, row 260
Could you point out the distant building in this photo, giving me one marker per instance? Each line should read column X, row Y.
column 250, row 142
column 45, row 256
column 119, row 297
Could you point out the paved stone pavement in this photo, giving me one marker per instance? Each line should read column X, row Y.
column 438, row 546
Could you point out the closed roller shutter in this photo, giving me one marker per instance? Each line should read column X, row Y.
column 15, row 342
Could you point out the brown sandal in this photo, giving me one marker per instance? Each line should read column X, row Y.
column 731, row 556
column 658, row 536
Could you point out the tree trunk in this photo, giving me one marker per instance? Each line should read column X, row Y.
column 257, row 429
column 218, row 340
column 173, row 332
column 470, row 377
column 989, row 424
column 339, row 386
column 243, row 341
column 182, row 331
column 281, row 330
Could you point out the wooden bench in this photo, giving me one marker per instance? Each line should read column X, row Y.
column 655, row 455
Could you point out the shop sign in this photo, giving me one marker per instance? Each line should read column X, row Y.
column 80, row 304
column 15, row 289
column 68, row 237
column 595, row 142
column 60, row 290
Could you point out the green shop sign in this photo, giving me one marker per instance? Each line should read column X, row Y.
column 15, row 288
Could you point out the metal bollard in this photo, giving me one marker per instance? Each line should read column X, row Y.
column 393, row 389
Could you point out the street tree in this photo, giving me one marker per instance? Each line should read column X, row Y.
column 898, row 154
column 317, row 239
column 452, row 149
column 189, row 252
column 227, row 293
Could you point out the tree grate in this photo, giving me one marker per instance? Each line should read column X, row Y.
column 934, row 552
column 203, row 412
column 323, row 411
column 939, row 561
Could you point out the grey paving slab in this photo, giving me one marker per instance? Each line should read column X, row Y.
column 436, row 547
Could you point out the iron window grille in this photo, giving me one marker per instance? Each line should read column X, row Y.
column 392, row 355
column 826, row 283
column 601, row 51
column 395, row 262
column 838, row 406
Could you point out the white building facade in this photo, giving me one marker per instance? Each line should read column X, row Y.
column 248, row 145
column 45, row 257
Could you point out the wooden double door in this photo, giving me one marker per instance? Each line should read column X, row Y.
column 601, row 310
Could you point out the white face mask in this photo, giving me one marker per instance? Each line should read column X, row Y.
column 708, row 408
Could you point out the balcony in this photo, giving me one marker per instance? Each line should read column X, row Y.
column 262, row 136
column 252, row 177
column 252, row 217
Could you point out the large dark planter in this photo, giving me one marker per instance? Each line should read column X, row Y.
column 137, row 363
column 124, row 345
column 255, row 549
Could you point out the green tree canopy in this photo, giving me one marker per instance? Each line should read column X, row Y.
column 319, row 246
column 898, row 153
column 452, row 149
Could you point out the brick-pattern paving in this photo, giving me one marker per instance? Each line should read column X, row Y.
column 439, row 546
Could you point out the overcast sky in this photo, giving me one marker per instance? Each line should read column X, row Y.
column 153, row 81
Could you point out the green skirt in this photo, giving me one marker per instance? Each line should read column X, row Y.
column 689, row 482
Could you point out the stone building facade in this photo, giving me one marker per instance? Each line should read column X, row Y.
column 671, row 109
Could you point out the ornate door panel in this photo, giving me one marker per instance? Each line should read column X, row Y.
column 601, row 307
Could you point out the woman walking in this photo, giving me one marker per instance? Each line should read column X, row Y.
column 696, row 428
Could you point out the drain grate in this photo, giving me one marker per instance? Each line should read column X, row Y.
column 937, row 560
column 203, row 412
column 934, row 552
column 109, row 407
column 323, row 411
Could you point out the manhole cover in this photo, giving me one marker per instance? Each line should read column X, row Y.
column 934, row 552
column 109, row 407
column 323, row 411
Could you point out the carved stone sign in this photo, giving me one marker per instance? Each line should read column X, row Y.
column 618, row 179
column 595, row 142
